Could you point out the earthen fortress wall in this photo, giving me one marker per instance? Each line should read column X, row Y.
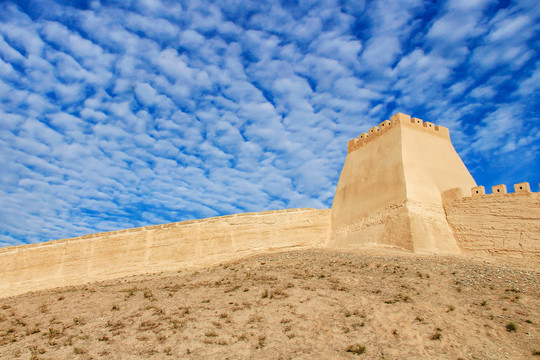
column 500, row 223
column 157, row 248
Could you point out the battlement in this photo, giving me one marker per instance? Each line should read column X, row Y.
column 497, row 190
column 394, row 121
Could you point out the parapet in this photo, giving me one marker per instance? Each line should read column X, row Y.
column 396, row 119
column 480, row 191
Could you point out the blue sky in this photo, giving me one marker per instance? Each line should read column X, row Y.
column 118, row 114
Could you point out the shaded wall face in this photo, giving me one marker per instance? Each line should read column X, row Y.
column 372, row 178
column 497, row 224
column 369, row 202
column 157, row 248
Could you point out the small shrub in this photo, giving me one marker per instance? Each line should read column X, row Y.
column 536, row 353
column 262, row 340
column 32, row 331
column 437, row 335
column 167, row 351
column 147, row 325
column 356, row 349
column 231, row 289
column 34, row 350
column 265, row 294
column 78, row 351
column 129, row 292
column 148, row 295
column 115, row 307
column 210, row 333
column 278, row 294
column 54, row 333
column 451, row 308
column 114, row 325
column 511, row 327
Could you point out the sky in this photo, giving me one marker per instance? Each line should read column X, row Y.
column 119, row 114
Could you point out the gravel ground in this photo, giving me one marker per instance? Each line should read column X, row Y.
column 324, row 304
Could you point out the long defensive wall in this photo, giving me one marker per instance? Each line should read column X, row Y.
column 402, row 185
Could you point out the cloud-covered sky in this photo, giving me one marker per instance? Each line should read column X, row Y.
column 118, row 114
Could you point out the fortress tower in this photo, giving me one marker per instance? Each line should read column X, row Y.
column 390, row 189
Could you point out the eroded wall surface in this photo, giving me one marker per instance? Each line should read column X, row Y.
column 506, row 225
column 150, row 249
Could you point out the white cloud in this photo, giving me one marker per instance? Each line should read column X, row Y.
column 134, row 113
column 454, row 27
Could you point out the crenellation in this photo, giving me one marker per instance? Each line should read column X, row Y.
column 498, row 189
column 443, row 130
column 394, row 121
column 478, row 191
column 351, row 145
column 384, row 125
column 428, row 125
column 417, row 121
column 523, row 187
column 400, row 118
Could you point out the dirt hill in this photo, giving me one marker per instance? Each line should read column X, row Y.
column 324, row 304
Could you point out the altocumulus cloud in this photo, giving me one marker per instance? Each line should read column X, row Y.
column 117, row 114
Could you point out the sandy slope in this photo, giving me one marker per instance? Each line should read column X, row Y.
column 298, row 304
